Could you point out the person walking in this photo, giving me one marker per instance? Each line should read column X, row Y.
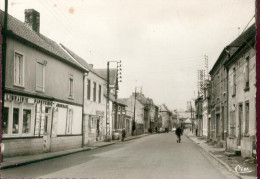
column 178, row 132
column 123, row 134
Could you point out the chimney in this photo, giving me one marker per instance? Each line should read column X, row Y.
column 32, row 19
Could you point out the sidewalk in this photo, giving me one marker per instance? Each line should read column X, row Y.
column 230, row 162
column 24, row 160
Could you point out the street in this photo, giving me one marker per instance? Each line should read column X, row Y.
column 153, row 156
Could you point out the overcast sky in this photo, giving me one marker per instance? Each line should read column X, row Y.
column 161, row 43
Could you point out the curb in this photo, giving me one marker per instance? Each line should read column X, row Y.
column 41, row 159
column 60, row 155
column 218, row 160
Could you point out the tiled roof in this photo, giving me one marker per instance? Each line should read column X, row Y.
column 112, row 74
column 17, row 28
column 81, row 61
column 123, row 100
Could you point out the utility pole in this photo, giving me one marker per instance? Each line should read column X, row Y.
column 107, row 107
column 108, row 93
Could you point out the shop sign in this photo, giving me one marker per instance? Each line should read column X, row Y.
column 16, row 98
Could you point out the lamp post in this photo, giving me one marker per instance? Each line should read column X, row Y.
column 108, row 93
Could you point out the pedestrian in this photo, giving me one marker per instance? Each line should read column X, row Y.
column 156, row 130
column 178, row 132
column 196, row 131
column 123, row 134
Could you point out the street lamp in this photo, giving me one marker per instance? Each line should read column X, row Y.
column 108, row 92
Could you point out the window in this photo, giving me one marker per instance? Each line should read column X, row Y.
column 18, row 69
column 71, row 88
column 40, row 76
column 232, row 123
column 69, row 121
column 247, row 118
column 5, row 120
column 15, row 121
column 26, row 121
column 94, row 91
column 99, row 93
column 234, row 81
column 89, row 89
column 247, row 74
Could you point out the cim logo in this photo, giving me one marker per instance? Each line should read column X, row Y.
column 240, row 169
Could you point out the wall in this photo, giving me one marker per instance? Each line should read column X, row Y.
column 241, row 97
column 57, row 87
column 24, row 146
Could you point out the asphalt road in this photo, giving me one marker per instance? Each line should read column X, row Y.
column 153, row 156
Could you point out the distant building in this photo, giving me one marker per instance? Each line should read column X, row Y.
column 166, row 116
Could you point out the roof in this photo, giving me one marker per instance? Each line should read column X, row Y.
column 234, row 46
column 246, row 38
column 81, row 61
column 187, row 121
column 164, row 108
column 112, row 74
column 21, row 31
column 141, row 98
column 123, row 100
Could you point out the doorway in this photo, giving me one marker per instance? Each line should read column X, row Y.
column 47, row 130
column 240, row 116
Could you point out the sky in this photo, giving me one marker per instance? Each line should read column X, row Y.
column 161, row 43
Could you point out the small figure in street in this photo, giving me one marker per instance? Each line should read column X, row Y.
column 123, row 134
column 178, row 132
column 156, row 130
column 196, row 131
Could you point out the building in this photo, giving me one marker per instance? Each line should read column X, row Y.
column 118, row 122
column 43, row 92
column 241, row 69
column 94, row 128
column 166, row 115
column 219, row 97
column 206, row 116
column 199, row 114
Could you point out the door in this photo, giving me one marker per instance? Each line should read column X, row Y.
column 217, row 126
column 98, row 128
column 222, row 123
column 240, row 116
column 47, row 130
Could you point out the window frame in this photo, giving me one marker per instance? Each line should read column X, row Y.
column 99, row 93
column 21, row 106
column 247, row 122
column 234, row 82
column 23, row 61
column 94, row 91
column 88, row 89
column 43, row 63
column 69, row 92
column 247, row 78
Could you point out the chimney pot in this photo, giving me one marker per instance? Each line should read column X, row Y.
column 32, row 19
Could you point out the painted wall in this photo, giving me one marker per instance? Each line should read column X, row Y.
column 55, row 70
column 241, row 97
